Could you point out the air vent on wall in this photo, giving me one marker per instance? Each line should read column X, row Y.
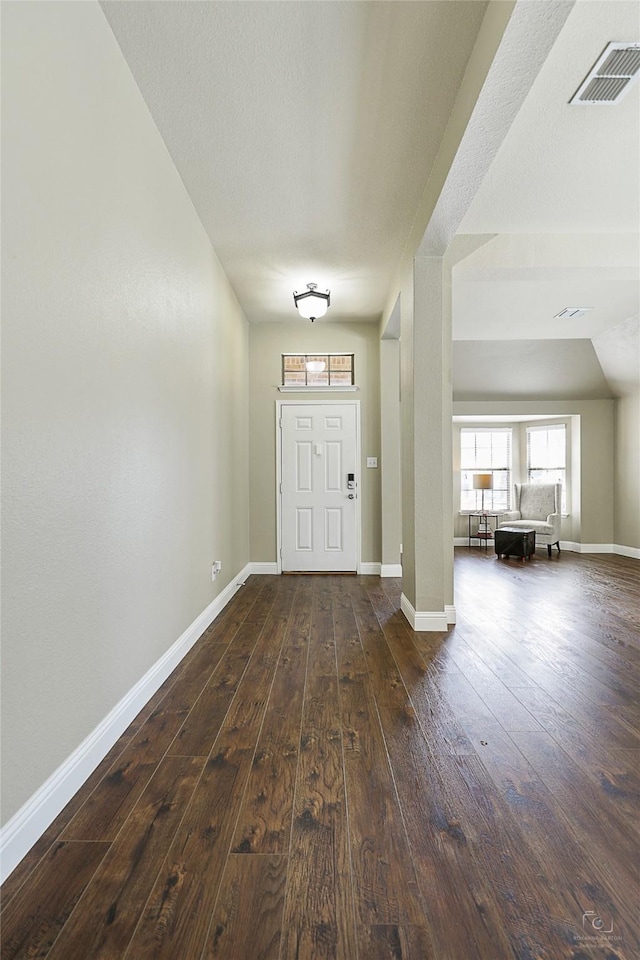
column 571, row 312
column 614, row 72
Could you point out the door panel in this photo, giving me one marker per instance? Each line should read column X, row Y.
column 333, row 466
column 303, row 467
column 333, row 521
column 318, row 519
column 304, row 529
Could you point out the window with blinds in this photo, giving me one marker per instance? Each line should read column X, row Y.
column 547, row 456
column 485, row 451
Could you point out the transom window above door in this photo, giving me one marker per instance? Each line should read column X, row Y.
column 318, row 369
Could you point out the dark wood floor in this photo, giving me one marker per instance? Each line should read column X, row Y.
column 317, row 781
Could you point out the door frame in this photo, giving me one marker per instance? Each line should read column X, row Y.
column 317, row 403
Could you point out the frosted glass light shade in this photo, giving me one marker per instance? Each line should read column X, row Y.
column 312, row 305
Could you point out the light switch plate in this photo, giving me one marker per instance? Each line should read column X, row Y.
column 372, row 461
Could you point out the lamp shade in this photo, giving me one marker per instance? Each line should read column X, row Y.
column 312, row 304
column 483, row 481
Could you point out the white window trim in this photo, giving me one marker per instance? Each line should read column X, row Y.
column 550, row 425
column 487, row 428
column 303, row 388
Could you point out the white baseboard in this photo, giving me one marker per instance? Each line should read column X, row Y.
column 616, row 548
column 29, row 823
column 571, row 546
column 270, row 567
column 425, row 620
column 450, row 612
column 464, row 542
column 633, row 552
column 367, row 568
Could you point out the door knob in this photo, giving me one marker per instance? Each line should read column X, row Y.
column 351, row 496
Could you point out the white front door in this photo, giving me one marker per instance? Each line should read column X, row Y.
column 319, row 486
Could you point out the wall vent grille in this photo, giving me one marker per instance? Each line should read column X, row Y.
column 614, row 72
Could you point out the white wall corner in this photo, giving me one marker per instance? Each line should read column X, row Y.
column 391, row 570
column 424, row 620
column 29, row 823
column 268, row 566
column 368, row 568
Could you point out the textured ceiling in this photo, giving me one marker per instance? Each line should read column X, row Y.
column 568, row 169
column 562, row 201
column 512, row 287
column 304, row 132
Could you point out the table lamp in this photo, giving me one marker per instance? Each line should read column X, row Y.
column 483, row 481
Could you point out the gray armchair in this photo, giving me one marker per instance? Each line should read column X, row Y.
column 537, row 508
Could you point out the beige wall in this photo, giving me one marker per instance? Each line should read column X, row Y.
column 267, row 343
column 618, row 351
column 591, row 519
column 125, row 427
column 627, row 470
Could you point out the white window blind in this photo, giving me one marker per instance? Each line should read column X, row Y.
column 547, row 456
column 485, row 451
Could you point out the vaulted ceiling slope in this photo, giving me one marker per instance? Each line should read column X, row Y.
column 557, row 221
column 304, row 132
column 527, row 370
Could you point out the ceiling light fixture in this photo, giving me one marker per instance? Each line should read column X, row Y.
column 312, row 304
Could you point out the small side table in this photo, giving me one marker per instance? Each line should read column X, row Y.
column 483, row 528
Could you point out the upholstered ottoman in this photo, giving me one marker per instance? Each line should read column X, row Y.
column 515, row 542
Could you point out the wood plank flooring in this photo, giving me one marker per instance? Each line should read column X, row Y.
column 317, row 781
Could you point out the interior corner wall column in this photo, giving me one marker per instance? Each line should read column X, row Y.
column 426, row 442
column 513, row 43
column 390, row 456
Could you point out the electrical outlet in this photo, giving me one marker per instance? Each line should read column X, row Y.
column 216, row 567
column 372, row 461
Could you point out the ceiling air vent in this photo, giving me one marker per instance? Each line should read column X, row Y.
column 571, row 312
column 614, row 72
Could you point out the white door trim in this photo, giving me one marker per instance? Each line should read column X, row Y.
column 318, row 403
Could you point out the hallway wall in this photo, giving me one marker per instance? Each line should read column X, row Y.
column 627, row 469
column 268, row 341
column 125, row 405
